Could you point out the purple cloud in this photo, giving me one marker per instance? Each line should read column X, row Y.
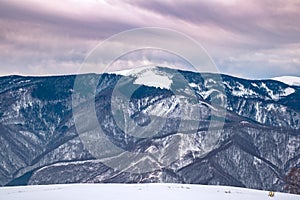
column 53, row 37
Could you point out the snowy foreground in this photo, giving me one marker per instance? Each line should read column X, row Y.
column 136, row 191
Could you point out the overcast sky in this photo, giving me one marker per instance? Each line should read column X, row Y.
column 251, row 39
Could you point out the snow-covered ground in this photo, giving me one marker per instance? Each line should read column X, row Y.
column 290, row 80
column 136, row 191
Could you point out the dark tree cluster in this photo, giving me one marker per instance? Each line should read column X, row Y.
column 292, row 181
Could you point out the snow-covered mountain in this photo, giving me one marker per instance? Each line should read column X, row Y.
column 253, row 144
column 289, row 80
column 137, row 191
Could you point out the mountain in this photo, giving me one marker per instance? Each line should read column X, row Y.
column 136, row 191
column 111, row 128
column 289, row 80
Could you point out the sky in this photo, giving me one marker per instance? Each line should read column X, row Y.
column 250, row 39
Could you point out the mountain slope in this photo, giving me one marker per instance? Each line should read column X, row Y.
column 254, row 146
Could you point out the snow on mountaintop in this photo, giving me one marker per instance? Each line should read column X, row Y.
column 148, row 76
column 136, row 191
column 127, row 72
column 289, row 80
column 121, row 72
column 151, row 78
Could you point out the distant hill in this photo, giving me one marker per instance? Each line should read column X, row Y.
column 290, row 80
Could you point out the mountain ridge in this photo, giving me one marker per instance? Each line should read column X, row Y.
column 37, row 130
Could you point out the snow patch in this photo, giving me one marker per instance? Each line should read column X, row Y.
column 288, row 91
column 241, row 91
column 270, row 92
column 149, row 76
column 254, row 84
column 152, row 79
column 289, row 80
column 121, row 72
column 193, row 85
column 257, row 161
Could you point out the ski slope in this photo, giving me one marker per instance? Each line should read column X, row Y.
column 136, row 191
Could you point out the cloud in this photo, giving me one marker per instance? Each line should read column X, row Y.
column 38, row 40
column 259, row 20
column 269, row 63
column 145, row 57
column 54, row 37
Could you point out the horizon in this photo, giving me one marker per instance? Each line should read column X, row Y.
column 121, row 74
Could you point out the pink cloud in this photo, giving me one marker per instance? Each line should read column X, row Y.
column 35, row 33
